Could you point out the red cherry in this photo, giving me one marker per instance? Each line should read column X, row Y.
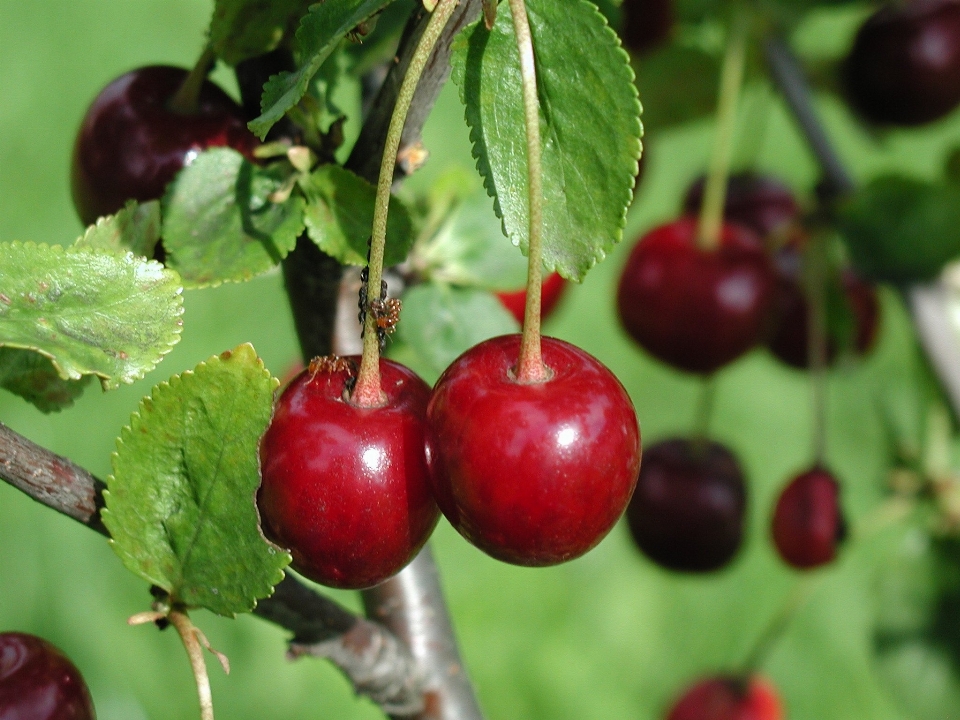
column 646, row 24
column 345, row 488
column 807, row 521
column 531, row 473
column 729, row 698
column 38, row 682
column 551, row 290
column 694, row 309
column 904, row 66
column 760, row 202
column 788, row 340
column 687, row 511
column 130, row 144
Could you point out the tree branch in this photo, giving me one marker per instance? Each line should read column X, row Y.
column 377, row 663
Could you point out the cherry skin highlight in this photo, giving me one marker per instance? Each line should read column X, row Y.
column 687, row 513
column 760, row 202
column 808, row 522
column 345, row 488
column 551, row 290
column 904, row 66
column 694, row 309
column 131, row 144
column 729, row 698
column 531, row 473
column 38, row 682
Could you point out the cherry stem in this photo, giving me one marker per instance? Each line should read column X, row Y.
column 530, row 367
column 705, row 402
column 731, row 80
column 367, row 392
column 771, row 634
column 191, row 642
column 186, row 100
column 815, row 288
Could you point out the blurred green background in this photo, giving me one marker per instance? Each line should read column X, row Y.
column 608, row 636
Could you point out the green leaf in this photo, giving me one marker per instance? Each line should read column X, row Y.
column 91, row 312
column 34, row 378
column 590, row 127
column 677, row 66
column 241, row 29
column 136, row 227
column 220, row 223
column 439, row 322
column 901, row 229
column 180, row 503
column 321, row 30
column 339, row 217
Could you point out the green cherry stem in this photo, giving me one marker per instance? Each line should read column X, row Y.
column 187, row 98
column 704, row 411
column 191, row 642
column 367, row 392
column 798, row 596
column 530, row 367
column 731, row 80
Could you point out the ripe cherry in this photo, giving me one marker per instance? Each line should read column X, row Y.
column 760, row 202
column 38, row 682
column 550, row 293
column 531, row 473
column 687, row 512
column 696, row 309
column 646, row 24
column 131, row 143
column 729, row 697
column 808, row 522
column 904, row 66
column 345, row 488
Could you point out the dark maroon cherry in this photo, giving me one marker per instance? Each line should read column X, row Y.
column 531, row 473
column 760, row 202
column 904, row 67
column 788, row 339
column 729, row 697
column 694, row 309
column 808, row 522
column 38, row 682
column 645, row 24
column 550, row 293
column 345, row 488
column 687, row 511
column 131, row 144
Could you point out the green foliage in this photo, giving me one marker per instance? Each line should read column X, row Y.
column 91, row 312
column 34, row 378
column 902, row 230
column 339, row 215
column 320, row 32
column 180, row 502
column 590, row 127
column 677, row 66
column 223, row 220
column 135, row 227
column 241, row 29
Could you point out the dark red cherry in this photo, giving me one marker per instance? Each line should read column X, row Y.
column 760, row 202
column 808, row 522
column 729, row 698
column 696, row 309
column 904, row 66
column 687, row 511
column 645, row 24
column 853, row 325
column 531, row 473
column 38, row 682
column 345, row 488
column 131, row 144
column 551, row 290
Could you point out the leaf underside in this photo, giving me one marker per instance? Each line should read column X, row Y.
column 34, row 378
column 241, row 29
column 135, row 227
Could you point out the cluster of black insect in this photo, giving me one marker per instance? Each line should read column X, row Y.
column 375, row 306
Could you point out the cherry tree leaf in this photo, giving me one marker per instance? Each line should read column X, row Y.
column 339, row 217
column 90, row 311
column 241, row 29
column 180, row 503
column 223, row 220
column 135, row 227
column 590, row 127
column 319, row 34
column 34, row 378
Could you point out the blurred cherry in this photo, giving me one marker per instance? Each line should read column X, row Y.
column 760, row 202
column 38, row 682
column 550, row 293
column 808, row 522
column 727, row 697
